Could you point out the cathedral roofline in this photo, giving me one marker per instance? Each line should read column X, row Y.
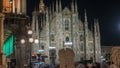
column 66, row 10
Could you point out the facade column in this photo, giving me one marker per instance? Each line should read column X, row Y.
column 21, row 6
column 1, row 39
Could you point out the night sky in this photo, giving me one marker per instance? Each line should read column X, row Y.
column 107, row 11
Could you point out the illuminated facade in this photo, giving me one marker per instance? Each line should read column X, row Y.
column 63, row 25
column 1, row 38
column 13, row 6
column 7, row 6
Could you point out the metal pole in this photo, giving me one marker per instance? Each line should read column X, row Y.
column 30, row 55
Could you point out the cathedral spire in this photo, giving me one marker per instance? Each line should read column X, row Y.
column 94, row 36
column 50, row 10
column 57, row 9
column 60, row 6
column 85, row 16
column 53, row 9
column 95, row 29
column 86, row 34
column 50, row 13
column 76, row 8
column 96, row 39
column 72, row 6
column 98, row 28
column 47, row 15
column 41, row 7
column 44, row 20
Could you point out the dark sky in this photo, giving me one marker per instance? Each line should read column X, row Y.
column 107, row 11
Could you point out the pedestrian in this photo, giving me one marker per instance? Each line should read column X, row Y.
column 112, row 65
column 89, row 65
column 104, row 65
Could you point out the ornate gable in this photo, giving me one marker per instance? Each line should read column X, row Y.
column 66, row 11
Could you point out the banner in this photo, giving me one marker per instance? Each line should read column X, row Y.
column 8, row 47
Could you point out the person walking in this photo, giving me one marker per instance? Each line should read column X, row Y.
column 104, row 65
column 113, row 65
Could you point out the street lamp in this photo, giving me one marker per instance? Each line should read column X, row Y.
column 30, row 32
column 30, row 39
column 36, row 41
column 22, row 41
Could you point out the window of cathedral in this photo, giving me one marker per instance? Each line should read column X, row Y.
column 81, row 59
column 42, row 47
column 91, row 47
column 79, row 28
column 66, row 25
column 67, row 39
column 81, row 37
column 81, row 48
column 52, row 37
column 91, row 58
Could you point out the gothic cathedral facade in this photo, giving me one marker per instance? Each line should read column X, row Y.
column 61, row 28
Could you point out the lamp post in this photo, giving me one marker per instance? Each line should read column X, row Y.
column 30, row 40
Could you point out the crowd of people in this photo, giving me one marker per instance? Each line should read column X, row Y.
column 96, row 65
column 46, row 66
column 80, row 65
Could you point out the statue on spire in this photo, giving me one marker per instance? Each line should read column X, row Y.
column 41, row 7
column 72, row 6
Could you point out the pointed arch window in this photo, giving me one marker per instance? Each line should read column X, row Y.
column 81, row 37
column 52, row 37
column 67, row 39
column 91, row 58
column 81, row 59
column 42, row 47
column 91, row 47
column 81, row 28
column 66, row 25
column 81, row 47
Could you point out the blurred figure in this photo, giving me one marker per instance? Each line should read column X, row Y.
column 104, row 65
column 80, row 66
column 51, row 66
column 89, row 65
column 112, row 65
